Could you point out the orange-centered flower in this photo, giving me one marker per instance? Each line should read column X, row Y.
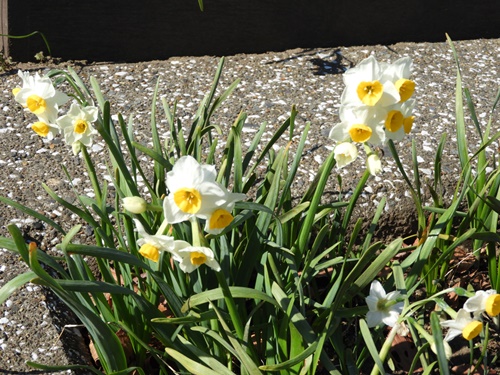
column 36, row 104
column 405, row 87
column 394, row 121
column 188, row 200
column 150, row 252
column 81, row 126
column 220, row 219
column 360, row 133
column 472, row 330
column 408, row 124
column 493, row 305
column 41, row 128
column 197, row 258
column 370, row 92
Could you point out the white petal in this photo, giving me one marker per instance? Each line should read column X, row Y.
column 391, row 318
column 172, row 212
column 392, row 295
column 186, row 266
column 366, row 70
column 476, row 303
column 140, row 228
column 402, row 68
column 373, row 318
column 463, row 317
column 452, row 324
column 390, row 95
column 186, row 173
column 213, row 265
column 398, row 307
column 179, row 245
column 91, row 114
column 372, row 302
column 209, row 172
column 377, row 290
column 452, row 333
column 339, row 132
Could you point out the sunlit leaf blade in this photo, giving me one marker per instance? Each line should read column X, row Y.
column 11, row 286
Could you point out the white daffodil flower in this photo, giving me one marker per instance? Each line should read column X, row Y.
column 191, row 257
column 194, row 191
column 399, row 120
column 365, row 84
column 39, row 96
column 220, row 217
column 463, row 325
column 399, row 73
column 45, row 129
column 360, row 124
column 483, row 301
column 76, row 125
column 345, row 153
column 383, row 307
column 151, row 245
column 374, row 164
column 26, row 78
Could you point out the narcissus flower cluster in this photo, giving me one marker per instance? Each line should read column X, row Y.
column 376, row 105
column 470, row 326
column 39, row 97
column 194, row 194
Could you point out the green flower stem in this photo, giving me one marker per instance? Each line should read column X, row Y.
column 368, row 150
column 228, row 298
column 195, row 228
column 386, row 347
column 231, row 306
column 162, row 228
column 153, row 207
column 460, row 291
column 421, row 330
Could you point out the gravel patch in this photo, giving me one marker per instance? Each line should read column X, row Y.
column 32, row 321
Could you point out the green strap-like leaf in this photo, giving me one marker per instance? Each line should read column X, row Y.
column 32, row 213
column 11, row 286
column 194, row 367
column 63, row 368
column 437, row 334
column 292, row 361
column 216, row 294
column 367, row 337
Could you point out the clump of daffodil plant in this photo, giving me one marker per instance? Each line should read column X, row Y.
column 208, row 261
column 376, row 105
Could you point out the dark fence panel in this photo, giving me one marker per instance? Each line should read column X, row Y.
column 131, row 30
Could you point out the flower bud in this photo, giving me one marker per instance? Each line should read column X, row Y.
column 448, row 352
column 345, row 153
column 76, row 147
column 136, row 205
column 374, row 164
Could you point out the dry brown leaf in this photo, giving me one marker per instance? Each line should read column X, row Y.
column 93, row 352
column 403, row 351
column 126, row 344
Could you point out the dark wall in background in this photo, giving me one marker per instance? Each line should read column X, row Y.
column 131, row 30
